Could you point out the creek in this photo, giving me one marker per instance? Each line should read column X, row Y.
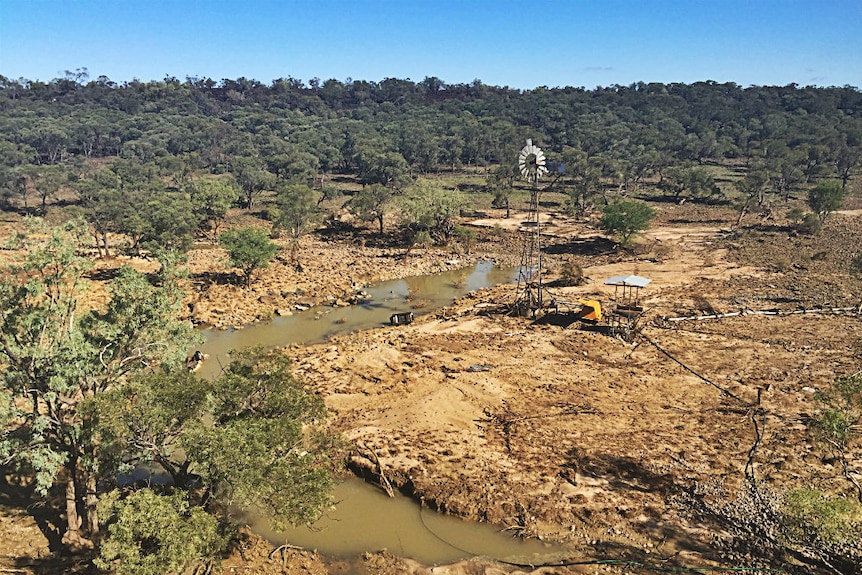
column 364, row 518
column 420, row 294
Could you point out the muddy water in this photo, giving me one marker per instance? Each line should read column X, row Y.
column 421, row 294
column 365, row 519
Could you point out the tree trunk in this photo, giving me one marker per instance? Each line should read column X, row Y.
column 743, row 211
column 72, row 539
column 90, row 501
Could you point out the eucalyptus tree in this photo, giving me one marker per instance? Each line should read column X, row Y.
column 58, row 358
column 383, row 167
column 752, row 188
column 694, row 182
column 104, row 206
column 298, row 213
column 584, row 181
column 626, row 218
column 249, row 249
column 826, row 198
column 501, row 182
column 211, row 198
column 253, row 177
column 431, row 209
column 371, row 203
column 254, row 438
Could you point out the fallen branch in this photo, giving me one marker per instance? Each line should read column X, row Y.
column 853, row 309
column 384, row 481
column 281, row 550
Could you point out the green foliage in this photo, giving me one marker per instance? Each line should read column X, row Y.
column 253, row 437
column 57, row 359
column 837, row 424
column 432, row 209
column 795, row 215
column 812, row 517
column 626, row 218
column 43, row 181
column 382, row 167
column 212, row 198
column 465, row 236
column 263, row 449
column 371, row 203
column 249, row 248
column 252, row 177
column 811, row 224
column 826, row 198
column 695, row 182
column 298, row 212
column 842, row 404
column 152, row 534
column 144, row 420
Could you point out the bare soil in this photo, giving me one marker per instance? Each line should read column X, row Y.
column 555, row 429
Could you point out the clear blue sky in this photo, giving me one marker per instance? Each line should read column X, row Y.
column 500, row 42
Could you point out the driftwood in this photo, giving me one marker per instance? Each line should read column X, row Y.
column 385, row 484
column 282, row 549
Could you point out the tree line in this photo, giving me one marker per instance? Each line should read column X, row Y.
column 164, row 160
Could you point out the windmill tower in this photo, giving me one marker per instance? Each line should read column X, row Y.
column 531, row 163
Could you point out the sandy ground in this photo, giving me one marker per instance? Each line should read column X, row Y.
column 552, row 430
column 568, row 434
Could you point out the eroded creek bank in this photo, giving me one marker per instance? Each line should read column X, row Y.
column 617, row 449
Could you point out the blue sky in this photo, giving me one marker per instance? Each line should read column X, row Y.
column 522, row 44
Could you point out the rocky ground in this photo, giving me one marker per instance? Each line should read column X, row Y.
column 627, row 449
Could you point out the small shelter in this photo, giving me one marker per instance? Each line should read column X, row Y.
column 627, row 308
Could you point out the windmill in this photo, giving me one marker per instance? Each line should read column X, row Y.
column 531, row 163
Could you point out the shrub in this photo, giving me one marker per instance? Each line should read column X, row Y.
column 811, row 516
column 795, row 215
column 626, row 218
column 571, row 273
column 811, row 225
column 150, row 534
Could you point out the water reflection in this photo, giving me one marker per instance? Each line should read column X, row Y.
column 421, row 294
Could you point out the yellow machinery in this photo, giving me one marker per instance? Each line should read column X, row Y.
column 591, row 310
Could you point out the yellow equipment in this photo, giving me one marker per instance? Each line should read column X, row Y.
column 591, row 310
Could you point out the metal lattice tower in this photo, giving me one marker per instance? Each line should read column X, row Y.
column 531, row 163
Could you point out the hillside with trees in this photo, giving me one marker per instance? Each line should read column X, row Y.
column 115, row 144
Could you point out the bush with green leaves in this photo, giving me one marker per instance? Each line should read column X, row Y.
column 57, row 360
column 428, row 207
column 298, row 213
column 249, row 249
column 837, row 423
column 826, row 198
column 151, row 533
column 811, row 224
column 253, row 437
column 812, row 517
column 795, row 215
column 626, row 218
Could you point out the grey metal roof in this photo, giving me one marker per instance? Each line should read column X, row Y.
column 629, row 280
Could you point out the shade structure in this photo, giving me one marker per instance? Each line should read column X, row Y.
column 629, row 280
